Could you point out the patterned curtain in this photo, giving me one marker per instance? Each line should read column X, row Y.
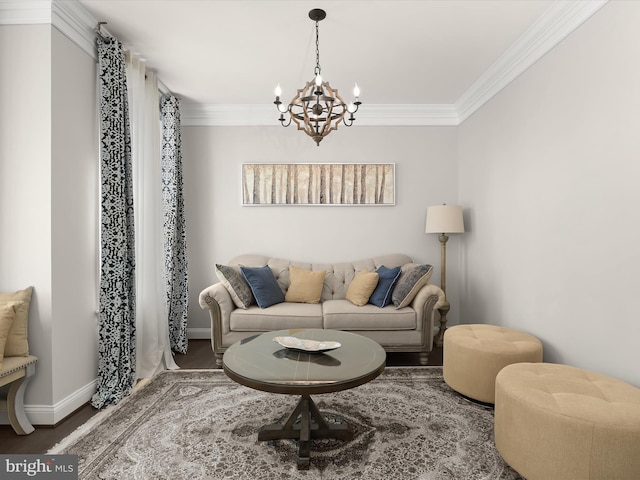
column 117, row 333
column 174, row 224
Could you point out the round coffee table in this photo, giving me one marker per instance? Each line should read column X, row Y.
column 260, row 363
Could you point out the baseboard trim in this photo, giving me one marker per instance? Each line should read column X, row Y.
column 52, row 414
column 199, row 333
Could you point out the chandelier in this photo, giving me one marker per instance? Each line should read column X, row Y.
column 317, row 109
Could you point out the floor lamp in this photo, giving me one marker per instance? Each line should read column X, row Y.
column 444, row 219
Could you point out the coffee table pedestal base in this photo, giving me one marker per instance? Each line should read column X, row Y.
column 305, row 424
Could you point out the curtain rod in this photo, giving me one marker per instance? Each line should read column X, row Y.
column 163, row 88
column 104, row 36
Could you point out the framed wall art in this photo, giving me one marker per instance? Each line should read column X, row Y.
column 318, row 184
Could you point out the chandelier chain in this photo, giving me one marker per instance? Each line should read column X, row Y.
column 317, row 70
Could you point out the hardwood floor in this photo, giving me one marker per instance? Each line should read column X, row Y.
column 198, row 356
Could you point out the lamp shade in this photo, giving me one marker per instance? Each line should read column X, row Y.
column 444, row 219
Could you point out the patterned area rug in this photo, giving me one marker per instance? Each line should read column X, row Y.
column 198, row 424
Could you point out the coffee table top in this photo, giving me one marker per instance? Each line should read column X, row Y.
column 260, row 363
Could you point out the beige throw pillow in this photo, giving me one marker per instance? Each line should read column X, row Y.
column 361, row 287
column 17, row 343
column 306, row 285
column 7, row 316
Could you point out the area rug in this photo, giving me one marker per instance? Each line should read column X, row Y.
column 198, row 424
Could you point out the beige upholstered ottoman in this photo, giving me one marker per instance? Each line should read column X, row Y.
column 556, row 422
column 474, row 354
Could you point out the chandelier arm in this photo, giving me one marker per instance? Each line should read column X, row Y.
column 351, row 113
column 282, row 120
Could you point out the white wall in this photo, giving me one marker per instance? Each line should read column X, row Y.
column 550, row 174
column 74, row 214
column 48, row 190
column 219, row 228
column 25, row 185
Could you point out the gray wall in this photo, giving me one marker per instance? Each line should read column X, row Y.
column 219, row 228
column 550, row 175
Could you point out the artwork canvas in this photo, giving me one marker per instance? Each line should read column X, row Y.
column 318, row 184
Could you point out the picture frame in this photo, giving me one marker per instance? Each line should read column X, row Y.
column 318, row 184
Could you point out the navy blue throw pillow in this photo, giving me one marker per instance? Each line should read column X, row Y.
column 387, row 278
column 264, row 285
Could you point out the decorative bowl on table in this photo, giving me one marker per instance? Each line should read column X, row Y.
column 305, row 345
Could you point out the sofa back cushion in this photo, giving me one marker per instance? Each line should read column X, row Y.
column 337, row 278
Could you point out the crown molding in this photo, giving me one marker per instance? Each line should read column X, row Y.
column 555, row 24
column 35, row 12
column 76, row 24
column 217, row 115
column 408, row 115
column 69, row 17
column 266, row 115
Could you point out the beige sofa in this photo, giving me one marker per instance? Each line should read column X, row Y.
column 406, row 329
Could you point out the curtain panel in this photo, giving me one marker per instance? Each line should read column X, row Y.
column 153, row 349
column 117, row 299
column 175, row 243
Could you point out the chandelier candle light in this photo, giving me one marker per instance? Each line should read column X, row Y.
column 317, row 108
column 444, row 219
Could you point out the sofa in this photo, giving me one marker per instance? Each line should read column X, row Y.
column 386, row 298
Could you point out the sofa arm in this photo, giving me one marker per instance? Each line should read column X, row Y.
column 216, row 293
column 217, row 300
column 427, row 291
column 427, row 301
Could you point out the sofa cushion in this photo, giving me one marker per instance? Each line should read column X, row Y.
column 305, row 285
column 361, row 287
column 234, row 282
column 264, row 285
column 344, row 315
column 7, row 316
column 281, row 316
column 17, row 344
column 387, row 278
column 413, row 278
